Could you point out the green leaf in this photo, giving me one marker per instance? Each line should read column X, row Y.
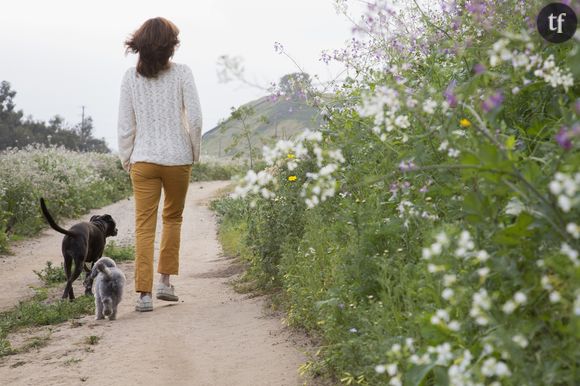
column 417, row 374
column 510, row 143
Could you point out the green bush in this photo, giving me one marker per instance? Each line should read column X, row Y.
column 214, row 171
column 430, row 235
column 119, row 253
column 51, row 275
column 71, row 182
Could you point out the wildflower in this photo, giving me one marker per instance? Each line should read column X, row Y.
column 570, row 252
column 447, row 293
column 392, row 369
column 479, row 69
column 278, row 48
column 555, row 297
column 546, row 283
column 444, row 354
column 520, row 340
column 453, row 153
column 520, row 298
column 492, row 102
column 464, row 122
column 380, row 369
column 429, row 106
column 573, row 229
column 449, row 280
column 577, row 305
column 483, row 272
column 353, row 330
column 509, row 307
column 481, row 302
column 454, row 325
column 291, row 156
column 292, row 178
column 449, row 95
column 563, row 138
column 402, row 121
column 396, row 381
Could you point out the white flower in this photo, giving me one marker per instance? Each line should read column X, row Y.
column 571, row 253
column 444, row 354
column 449, row 280
column 447, row 293
column 443, row 146
column 482, row 256
column 380, row 369
column 555, row 297
column 577, row 305
column 564, row 203
column 396, row 348
column 514, row 207
column 429, row 106
column 392, row 369
column 426, row 253
column 396, row 381
column 453, row 153
column 520, row 297
column 520, row 340
column 402, row 121
column 546, row 283
column 501, row 370
column 488, row 367
column 353, row 330
column 573, row 229
column 483, row 272
column 509, row 307
column 454, row 325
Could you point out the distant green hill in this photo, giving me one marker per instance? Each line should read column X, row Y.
column 285, row 118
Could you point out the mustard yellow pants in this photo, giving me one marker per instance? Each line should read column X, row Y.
column 148, row 179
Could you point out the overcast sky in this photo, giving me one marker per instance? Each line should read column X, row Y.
column 59, row 55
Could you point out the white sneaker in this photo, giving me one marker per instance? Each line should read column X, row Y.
column 144, row 304
column 166, row 293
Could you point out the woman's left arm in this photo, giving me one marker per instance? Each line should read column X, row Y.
column 126, row 125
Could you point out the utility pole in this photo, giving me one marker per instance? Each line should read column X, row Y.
column 83, row 120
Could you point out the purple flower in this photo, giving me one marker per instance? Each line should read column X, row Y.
column 407, row 166
column 492, row 102
column 564, row 139
column 478, row 69
column 449, row 95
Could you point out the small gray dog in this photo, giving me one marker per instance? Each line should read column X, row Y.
column 109, row 284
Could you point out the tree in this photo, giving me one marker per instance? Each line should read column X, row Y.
column 244, row 115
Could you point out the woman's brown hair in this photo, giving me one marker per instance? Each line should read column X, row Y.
column 155, row 42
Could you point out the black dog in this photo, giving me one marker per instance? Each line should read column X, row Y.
column 83, row 243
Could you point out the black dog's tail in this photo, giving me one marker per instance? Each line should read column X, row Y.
column 103, row 269
column 51, row 221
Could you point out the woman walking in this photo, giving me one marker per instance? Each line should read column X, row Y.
column 159, row 137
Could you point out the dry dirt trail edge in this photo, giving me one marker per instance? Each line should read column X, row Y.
column 212, row 336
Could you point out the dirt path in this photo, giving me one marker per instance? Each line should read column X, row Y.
column 213, row 336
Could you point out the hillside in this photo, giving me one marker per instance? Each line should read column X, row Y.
column 285, row 118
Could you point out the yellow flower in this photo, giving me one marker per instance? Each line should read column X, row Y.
column 292, row 178
column 464, row 123
column 290, row 156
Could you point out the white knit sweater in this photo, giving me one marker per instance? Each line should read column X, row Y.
column 159, row 118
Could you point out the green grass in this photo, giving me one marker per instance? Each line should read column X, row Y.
column 40, row 311
column 51, row 275
column 119, row 253
column 92, row 340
